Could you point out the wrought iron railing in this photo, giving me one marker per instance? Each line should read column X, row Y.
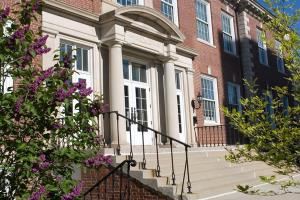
column 171, row 141
column 114, row 185
column 218, row 135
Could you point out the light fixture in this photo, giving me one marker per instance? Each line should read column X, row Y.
column 196, row 103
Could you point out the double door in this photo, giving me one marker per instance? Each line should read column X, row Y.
column 137, row 103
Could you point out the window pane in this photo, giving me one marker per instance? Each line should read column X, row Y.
column 226, row 27
column 125, row 69
column 79, row 58
column 127, row 2
column 177, row 79
column 167, row 9
column 69, row 50
column 227, row 43
column 203, row 31
column 201, row 11
column 85, row 60
column 135, row 73
column 179, row 114
column 143, row 75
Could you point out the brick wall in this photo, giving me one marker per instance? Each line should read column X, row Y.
column 267, row 76
column 139, row 191
column 93, row 6
column 223, row 66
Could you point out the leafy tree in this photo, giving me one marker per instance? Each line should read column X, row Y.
column 273, row 128
column 39, row 142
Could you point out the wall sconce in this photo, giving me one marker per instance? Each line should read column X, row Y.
column 196, row 103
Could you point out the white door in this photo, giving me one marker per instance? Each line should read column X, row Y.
column 137, row 102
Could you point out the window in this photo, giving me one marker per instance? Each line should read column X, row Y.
column 228, row 33
column 203, row 18
column 83, row 69
column 234, row 96
column 285, row 105
column 280, row 62
column 82, row 57
column 269, row 107
column 128, row 2
column 169, row 9
column 180, row 104
column 262, row 47
column 210, row 99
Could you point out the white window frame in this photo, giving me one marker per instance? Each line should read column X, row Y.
column 232, row 34
column 279, row 57
column 238, row 95
column 175, row 10
column 217, row 109
column 209, row 23
column 262, row 46
column 139, row 2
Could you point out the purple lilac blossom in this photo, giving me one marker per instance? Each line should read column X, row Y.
column 18, row 34
column 44, row 164
column 36, row 5
column 85, row 91
column 98, row 160
column 37, row 195
column 45, row 74
column 76, row 191
column 4, row 13
column 17, row 108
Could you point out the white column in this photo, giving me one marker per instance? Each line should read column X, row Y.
column 116, row 93
column 171, row 100
column 190, row 85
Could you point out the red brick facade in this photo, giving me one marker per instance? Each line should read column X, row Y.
column 93, row 6
column 213, row 61
column 139, row 191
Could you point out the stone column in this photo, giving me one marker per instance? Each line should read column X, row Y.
column 171, row 100
column 190, row 87
column 116, row 93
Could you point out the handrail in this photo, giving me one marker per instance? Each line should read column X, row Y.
column 156, row 133
column 151, row 129
column 131, row 163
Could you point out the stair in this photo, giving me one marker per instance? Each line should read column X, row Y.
column 209, row 172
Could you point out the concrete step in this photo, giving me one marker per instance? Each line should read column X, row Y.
column 210, row 173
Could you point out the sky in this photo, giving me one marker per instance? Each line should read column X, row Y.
column 297, row 6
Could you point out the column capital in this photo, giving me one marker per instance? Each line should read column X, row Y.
column 115, row 43
column 168, row 59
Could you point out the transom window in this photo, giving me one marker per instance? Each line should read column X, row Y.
column 233, row 96
column 228, row 33
column 203, row 18
column 137, row 73
column 209, row 99
column 280, row 62
column 262, row 47
column 127, row 2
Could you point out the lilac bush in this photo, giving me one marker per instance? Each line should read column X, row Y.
column 38, row 148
